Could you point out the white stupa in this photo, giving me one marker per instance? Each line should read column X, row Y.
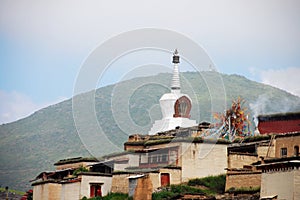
column 175, row 107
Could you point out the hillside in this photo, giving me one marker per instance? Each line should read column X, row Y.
column 31, row 145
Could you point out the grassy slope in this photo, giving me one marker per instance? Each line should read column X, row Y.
column 33, row 144
column 208, row 186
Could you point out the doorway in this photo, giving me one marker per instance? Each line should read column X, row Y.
column 165, row 179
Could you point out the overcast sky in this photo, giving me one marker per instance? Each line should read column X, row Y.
column 44, row 43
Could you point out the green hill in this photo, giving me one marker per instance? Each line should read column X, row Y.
column 31, row 145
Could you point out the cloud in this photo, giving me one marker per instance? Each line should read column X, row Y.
column 286, row 79
column 15, row 105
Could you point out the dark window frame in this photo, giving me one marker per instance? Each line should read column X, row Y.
column 283, row 152
column 296, row 150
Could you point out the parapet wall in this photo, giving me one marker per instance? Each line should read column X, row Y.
column 238, row 160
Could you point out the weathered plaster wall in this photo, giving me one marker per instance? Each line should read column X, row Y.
column 236, row 160
column 70, row 191
column 47, row 191
column 175, row 175
column 202, row 159
column 133, row 161
column 297, row 184
column 86, row 180
column 285, row 184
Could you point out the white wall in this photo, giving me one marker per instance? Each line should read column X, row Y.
column 297, row 184
column 87, row 179
column 285, row 184
column 47, row 191
column 202, row 159
column 70, row 191
column 133, row 161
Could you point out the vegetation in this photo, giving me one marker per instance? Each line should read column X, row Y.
column 156, row 142
column 215, row 184
column 164, row 194
column 205, row 186
column 252, row 138
column 34, row 143
column 165, row 140
column 176, row 191
column 244, row 190
column 79, row 170
column 12, row 191
column 74, row 160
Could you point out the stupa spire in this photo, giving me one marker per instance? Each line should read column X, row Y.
column 175, row 85
column 175, row 106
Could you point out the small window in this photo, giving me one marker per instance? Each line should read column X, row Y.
column 296, row 150
column 283, row 152
column 154, row 158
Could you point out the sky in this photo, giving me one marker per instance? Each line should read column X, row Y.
column 43, row 44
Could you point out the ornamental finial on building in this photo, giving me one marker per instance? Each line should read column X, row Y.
column 175, row 79
column 175, row 52
column 175, row 57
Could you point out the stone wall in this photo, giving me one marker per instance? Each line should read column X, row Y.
column 47, row 191
column 202, row 159
column 238, row 160
column 242, row 180
column 120, row 183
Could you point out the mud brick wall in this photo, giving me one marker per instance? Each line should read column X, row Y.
column 120, row 183
column 143, row 189
column 243, row 180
